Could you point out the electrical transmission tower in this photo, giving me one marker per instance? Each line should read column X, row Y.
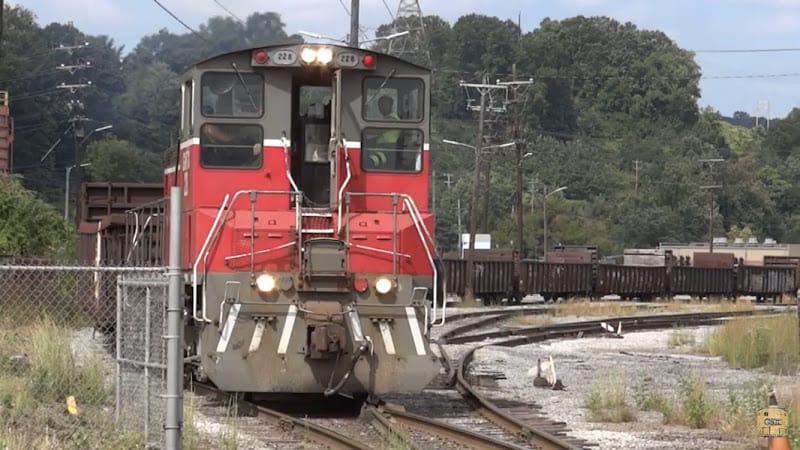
column 412, row 46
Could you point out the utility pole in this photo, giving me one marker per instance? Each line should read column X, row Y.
column 76, row 107
column 484, row 89
column 516, row 135
column 636, row 187
column 473, row 209
column 545, row 248
column 460, row 242
column 710, row 189
column 354, row 23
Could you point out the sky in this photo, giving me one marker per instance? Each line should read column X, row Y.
column 766, row 83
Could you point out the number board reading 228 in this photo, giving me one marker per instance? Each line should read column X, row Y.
column 285, row 57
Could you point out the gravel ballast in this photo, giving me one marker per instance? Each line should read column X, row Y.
column 636, row 357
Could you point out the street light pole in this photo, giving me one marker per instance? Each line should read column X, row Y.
column 78, row 152
column 66, row 188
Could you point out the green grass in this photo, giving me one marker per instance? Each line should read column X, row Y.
column 697, row 406
column 607, row 401
column 763, row 342
column 37, row 373
column 732, row 413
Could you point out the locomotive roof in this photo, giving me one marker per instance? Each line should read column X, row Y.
column 247, row 51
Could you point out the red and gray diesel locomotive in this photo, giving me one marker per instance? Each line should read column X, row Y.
column 307, row 242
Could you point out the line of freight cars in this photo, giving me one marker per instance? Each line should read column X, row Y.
column 494, row 280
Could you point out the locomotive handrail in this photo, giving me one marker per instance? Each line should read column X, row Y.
column 203, row 254
column 422, row 232
column 284, row 141
column 413, row 208
column 213, row 232
column 346, row 181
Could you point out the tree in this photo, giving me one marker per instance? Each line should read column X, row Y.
column 616, row 68
column 29, row 226
column 149, row 109
column 115, row 160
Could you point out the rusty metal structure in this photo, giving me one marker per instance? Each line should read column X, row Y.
column 6, row 134
column 493, row 279
column 121, row 223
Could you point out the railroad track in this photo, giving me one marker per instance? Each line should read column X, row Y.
column 519, row 428
column 525, row 335
column 387, row 417
column 319, row 434
column 537, row 430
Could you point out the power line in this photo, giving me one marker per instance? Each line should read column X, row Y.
column 635, row 77
column 179, row 20
column 228, row 11
column 749, row 50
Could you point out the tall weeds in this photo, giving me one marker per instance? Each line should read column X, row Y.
column 768, row 342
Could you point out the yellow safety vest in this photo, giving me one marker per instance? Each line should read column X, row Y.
column 390, row 136
column 378, row 158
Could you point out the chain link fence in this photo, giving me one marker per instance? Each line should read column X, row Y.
column 141, row 355
column 81, row 354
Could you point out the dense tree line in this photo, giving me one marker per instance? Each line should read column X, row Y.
column 605, row 94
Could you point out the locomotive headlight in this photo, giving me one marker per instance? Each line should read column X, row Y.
column 324, row 55
column 308, row 55
column 265, row 282
column 383, row 285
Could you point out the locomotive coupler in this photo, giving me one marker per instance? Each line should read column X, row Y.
column 364, row 344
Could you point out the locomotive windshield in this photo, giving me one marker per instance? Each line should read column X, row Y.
column 396, row 100
column 231, row 145
column 393, row 99
column 392, row 150
column 232, row 94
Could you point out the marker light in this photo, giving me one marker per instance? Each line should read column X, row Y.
column 308, row 55
column 261, row 57
column 383, row 285
column 361, row 284
column 368, row 60
column 265, row 282
column 324, row 55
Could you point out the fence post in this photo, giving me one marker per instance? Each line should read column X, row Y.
column 174, row 340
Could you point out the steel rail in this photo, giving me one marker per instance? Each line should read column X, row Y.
column 496, row 317
column 463, row 436
column 540, row 438
column 593, row 326
column 389, row 430
column 317, row 433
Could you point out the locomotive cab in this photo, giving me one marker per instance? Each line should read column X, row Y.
column 307, row 237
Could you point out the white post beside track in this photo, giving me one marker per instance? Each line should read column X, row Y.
column 174, row 336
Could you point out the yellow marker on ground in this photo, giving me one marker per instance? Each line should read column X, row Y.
column 72, row 405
